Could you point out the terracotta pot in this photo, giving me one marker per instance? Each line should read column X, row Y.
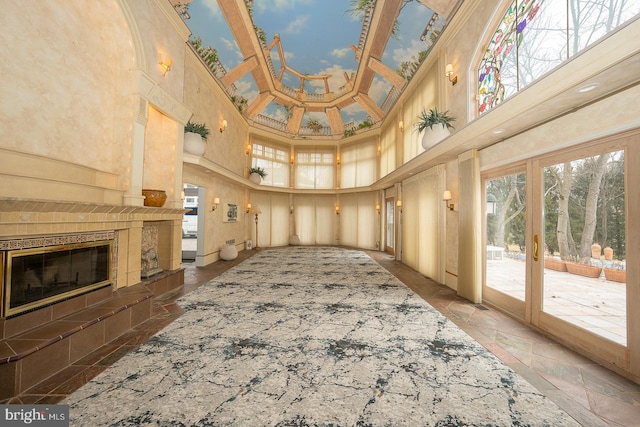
column 193, row 144
column 154, row 198
column 615, row 275
column 584, row 270
column 554, row 264
column 596, row 251
column 608, row 253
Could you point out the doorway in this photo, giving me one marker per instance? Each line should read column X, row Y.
column 389, row 226
column 190, row 222
column 555, row 248
column 584, row 281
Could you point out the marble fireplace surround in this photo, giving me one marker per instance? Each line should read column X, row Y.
column 37, row 344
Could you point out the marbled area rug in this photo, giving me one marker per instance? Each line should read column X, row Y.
column 305, row 336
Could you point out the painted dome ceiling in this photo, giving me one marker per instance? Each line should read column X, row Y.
column 314, row 67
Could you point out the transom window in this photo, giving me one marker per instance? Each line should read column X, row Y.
column 274, row 160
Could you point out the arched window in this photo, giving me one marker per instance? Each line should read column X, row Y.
column 534, row 36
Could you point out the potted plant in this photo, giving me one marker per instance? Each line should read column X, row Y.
column 614, row 271
column 435, row 126
column 314, row 125
column 584, row 269
column 257, row 174
column 555, row 264
column 194, row 136
column 615, row 274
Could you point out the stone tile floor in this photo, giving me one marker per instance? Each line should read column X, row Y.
column 579, row 386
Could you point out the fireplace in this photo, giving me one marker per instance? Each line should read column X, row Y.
column 39, row 276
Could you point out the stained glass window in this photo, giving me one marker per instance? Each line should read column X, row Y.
column 497, row 75
column 534, row 36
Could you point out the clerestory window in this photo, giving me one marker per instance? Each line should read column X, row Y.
column 534, row 36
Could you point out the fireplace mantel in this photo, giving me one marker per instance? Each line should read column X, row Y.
column 27, row 223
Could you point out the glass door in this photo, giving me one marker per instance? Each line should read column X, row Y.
column 558, row 245
column 505, row 249
column 389, row 226
column 584, row 279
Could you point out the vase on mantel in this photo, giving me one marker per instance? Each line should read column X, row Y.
column 154, row 198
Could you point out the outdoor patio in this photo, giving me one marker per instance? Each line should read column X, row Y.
column 597, row 305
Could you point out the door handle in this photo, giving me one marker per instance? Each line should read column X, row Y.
column 535, row 247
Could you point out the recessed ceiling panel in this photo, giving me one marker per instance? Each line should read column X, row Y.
column 316, row 52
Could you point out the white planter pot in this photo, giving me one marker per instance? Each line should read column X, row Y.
column 193, row 144
column 229, row 252
column 255, row 178
column 294, row 240
column 434, row 135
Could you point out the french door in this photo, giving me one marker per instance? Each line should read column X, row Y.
column 505, row 219
column 556, row 252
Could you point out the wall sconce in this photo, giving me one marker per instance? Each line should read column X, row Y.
column 446, row 196
column 216, row 202
column 448, row 71
column 337, row 210
column 248, row 209
column 223, row 126
column 338, row 160
column 399, row 205
column 378, row 208
column 401, row 126
column 247, row 149
column 291, row 159
column 165, row 64
column 291, row 209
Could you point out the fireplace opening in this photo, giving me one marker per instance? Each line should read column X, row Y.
column 40, row 276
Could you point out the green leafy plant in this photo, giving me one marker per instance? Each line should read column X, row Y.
column 199, row 128
column 367, row 123
column 349, row 132
column 313, row 124
column 240, row 102
column 427, row 119
column 257, row 169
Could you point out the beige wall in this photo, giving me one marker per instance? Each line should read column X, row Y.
column 69, row 99
column 211, row 105
column 619, row 112
column 216, row 231
column 71, row 107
